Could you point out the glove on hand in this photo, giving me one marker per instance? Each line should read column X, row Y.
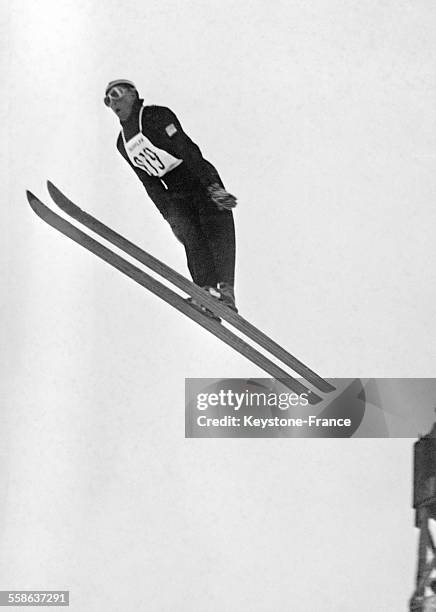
column 222, row 198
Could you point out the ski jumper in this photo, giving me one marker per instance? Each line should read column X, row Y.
column 176, row 177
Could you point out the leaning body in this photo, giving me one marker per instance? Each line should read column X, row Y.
column 185, row 187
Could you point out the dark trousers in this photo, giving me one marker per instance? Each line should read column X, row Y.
column 208, row 235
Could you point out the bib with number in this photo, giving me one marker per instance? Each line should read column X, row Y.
column 146, row 156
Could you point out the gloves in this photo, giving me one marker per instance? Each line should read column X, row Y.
column 221, row 198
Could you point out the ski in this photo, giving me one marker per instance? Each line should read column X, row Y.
column 190, row 288
column 168, row 295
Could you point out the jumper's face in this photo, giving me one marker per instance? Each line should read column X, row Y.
column 121, row 99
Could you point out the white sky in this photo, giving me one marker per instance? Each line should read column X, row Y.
column 320, row 117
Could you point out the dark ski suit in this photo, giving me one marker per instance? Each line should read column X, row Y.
column 207, row 233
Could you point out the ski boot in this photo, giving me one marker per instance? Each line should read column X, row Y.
column 198, row 306
column 227, row 295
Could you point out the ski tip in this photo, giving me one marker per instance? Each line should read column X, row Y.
column 60, row 199
column 55, row 192
column 30, row 196
column 52, row 187
column 33, row 200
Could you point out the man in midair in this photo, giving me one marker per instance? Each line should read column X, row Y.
column 185, row 187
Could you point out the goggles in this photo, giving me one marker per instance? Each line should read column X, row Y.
column 115, row 94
